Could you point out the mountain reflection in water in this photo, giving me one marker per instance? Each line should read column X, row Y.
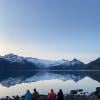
column 17, row 77
column 16, row 83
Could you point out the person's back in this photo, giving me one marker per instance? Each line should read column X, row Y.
column 28, row 95
column 36, row 95
column 98, row 92
column 52, row 95
column 60, row 95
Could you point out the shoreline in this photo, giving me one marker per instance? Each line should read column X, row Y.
column 78, row 94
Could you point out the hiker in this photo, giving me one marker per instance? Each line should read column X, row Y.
column 28, row 95
column 36, row 95
column 60, row 95
column 52, row 95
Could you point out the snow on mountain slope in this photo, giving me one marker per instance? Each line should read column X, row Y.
column 40, row 62
column 75, row 61
column 45, row 63
column 13, row 58
column 50, row 63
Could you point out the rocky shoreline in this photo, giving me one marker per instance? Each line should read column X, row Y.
column 67, row 97
column 78, row 94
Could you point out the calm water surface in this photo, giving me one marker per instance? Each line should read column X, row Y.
column 13, row 83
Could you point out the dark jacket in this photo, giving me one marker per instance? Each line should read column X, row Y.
column 36, row 96
column 60, row 96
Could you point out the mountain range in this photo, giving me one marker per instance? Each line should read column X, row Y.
column 15, row 62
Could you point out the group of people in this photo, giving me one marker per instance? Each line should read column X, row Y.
column 34, row 96
column 51, row 96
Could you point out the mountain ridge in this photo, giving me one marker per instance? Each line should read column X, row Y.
column 39, row 62
column 34, row 63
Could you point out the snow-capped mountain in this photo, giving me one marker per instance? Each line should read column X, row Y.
column 50, row 63
column 43, row 63
column 12, row 62
column 40, row 63
column 13, row 58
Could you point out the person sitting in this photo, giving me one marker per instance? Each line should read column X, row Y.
column 28, row 95
column 97, row 93
column 60, row 95
column 36, row 95
column 52, row 95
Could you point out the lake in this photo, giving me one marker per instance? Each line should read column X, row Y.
column 13, row 83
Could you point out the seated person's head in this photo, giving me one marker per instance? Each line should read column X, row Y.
column 98, row 89
column 34, row 90
column 60, row 90
column 51, row 90
column 28, row 91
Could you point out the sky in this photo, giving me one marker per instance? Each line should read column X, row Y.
column 50, row 29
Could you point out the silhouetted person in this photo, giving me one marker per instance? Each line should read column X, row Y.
column 97, row 92
column 52, row 95
column 36, row 95
column 28, row 95
column 60, row 95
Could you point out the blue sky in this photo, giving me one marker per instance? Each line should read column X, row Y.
column 50, row 29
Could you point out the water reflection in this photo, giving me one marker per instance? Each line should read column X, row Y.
column 17, row 77
column 13, row 83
